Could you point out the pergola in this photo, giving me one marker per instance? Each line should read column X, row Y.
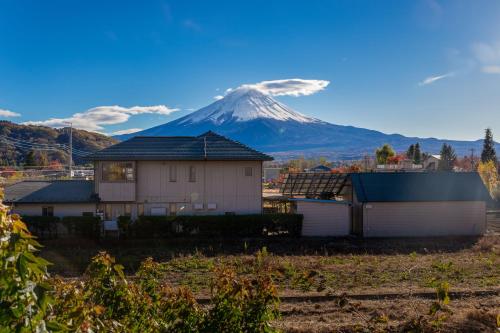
column 314, row 185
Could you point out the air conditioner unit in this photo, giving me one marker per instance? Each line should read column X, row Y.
column 212, row 206
column 198, row 206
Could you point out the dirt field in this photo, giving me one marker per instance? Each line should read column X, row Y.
column 325, row 285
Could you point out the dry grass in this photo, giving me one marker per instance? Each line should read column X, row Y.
column 364, row 271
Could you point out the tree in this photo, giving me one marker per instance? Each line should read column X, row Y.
column 30, row 159
column 489, row 175
column 410, row 153
column 383, row 153
column 417, row 156
column 42, row 158
column 448, row 158
column 488, row 153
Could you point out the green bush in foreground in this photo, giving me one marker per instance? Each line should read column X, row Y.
column 104, row 300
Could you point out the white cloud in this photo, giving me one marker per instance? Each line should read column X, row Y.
column 127, row 131
column 7, row 113
column 94, row 119
column 493, row 69
column 218, row 97
column 289, row 87
column 488, row 55
column 432, row 79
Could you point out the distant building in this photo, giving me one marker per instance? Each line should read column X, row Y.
column 319, row 168
column 431, row 163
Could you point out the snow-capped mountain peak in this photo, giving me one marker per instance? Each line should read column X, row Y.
column 244, row 104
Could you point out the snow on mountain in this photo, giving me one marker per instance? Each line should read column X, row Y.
column 244, row 104
column 258, row 120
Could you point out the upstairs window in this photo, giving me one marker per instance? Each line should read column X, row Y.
column 192, row 173
column 118, row 171
column 248, row 171
column 172, row 173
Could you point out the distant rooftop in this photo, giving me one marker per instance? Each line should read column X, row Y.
column 207, row 146
column 56, row 191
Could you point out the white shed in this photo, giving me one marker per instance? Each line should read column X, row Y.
column 324, row 217
column 419, row 204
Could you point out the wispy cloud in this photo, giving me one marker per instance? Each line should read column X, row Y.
column 127, row 131
column 8, row 114
column 94, row 119
column 289, row 87
column 493, row 69
column 488, row 56
column 218, row 97
column 432, row 79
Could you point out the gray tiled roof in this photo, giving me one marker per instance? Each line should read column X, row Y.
column 56, row 191
column 419, row 186
column 208, row 146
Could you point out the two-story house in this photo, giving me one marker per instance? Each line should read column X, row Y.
column 206, row 174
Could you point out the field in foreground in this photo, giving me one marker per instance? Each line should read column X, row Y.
column 327, row 284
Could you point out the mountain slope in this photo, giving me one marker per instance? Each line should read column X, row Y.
column 258, row 120
column 15, row 139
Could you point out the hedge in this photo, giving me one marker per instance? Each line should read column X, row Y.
column 213, row 225
column 82, row 226
column 85, row 226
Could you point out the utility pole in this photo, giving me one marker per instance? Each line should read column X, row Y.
column 472, row 159
column 70, row 150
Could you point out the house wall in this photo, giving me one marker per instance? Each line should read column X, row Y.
column 222, row 183
column 422, row 219
column 60, row 210
column 324, row 218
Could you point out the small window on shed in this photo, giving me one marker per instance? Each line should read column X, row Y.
column 248, row 171
column 48, row 211
column 192, row 173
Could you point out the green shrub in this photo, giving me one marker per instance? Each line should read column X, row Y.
column 216, row 225
column 24, row 290
column 82, row 226
column 124, row 223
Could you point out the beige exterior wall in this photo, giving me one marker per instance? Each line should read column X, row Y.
column 60, row 210
column 324, row 218
column 220, row 183
column 422, row 219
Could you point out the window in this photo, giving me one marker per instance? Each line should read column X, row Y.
column 192, row 173
column 48, row 211
column 172, row 209
column 248, row 171
column 118, row 171
column 172, row 173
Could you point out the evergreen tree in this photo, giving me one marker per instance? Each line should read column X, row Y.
column 448, row 158
column 410, row 153
column 30, row 159
column 383, row 153
column 488, row 153
column 417, row 155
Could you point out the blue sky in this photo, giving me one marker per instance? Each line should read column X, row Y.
column 420, row 68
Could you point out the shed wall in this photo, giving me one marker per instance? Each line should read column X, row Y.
column 423, row 219
column 324, row 218
column 60, row 210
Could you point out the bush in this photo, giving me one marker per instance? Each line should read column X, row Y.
column 42, row 226
column 84, row 226
column 216, row 225
column 124, row 223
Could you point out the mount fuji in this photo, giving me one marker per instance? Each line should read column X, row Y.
column 258, row 120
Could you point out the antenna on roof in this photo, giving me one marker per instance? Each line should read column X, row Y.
column 205, row 148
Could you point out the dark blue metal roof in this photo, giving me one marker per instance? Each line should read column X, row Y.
column 56, row 191
column 419, row 186
column 208, row 146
